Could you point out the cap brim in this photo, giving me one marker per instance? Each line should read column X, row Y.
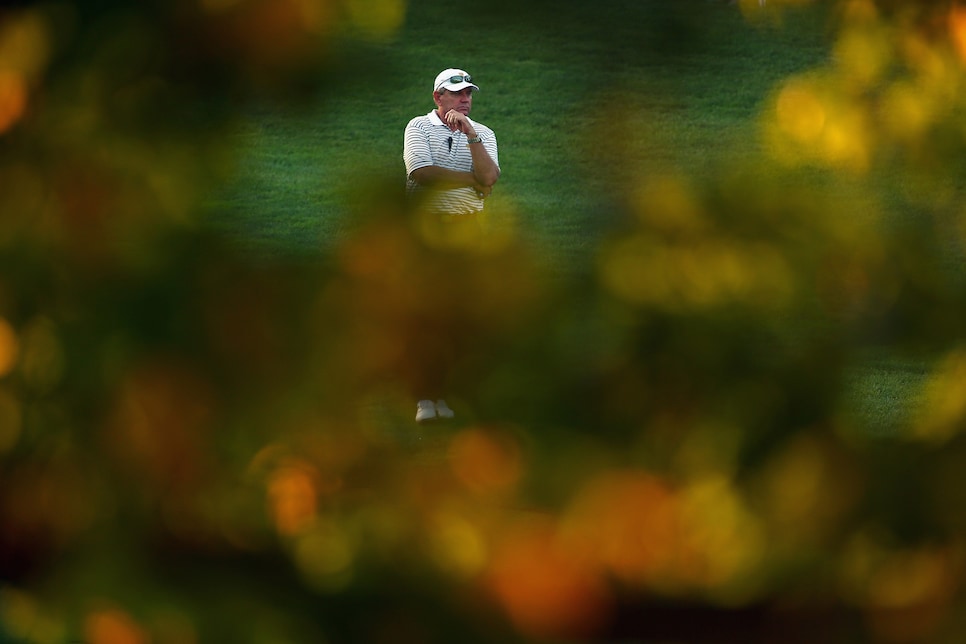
column 457, row 87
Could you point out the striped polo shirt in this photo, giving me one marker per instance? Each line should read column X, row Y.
column 429, row 141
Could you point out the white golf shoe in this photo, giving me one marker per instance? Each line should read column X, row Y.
column 425, row 410
column 443, row 410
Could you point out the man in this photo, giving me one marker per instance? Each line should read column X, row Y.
column 451, row 167
column 451, row 160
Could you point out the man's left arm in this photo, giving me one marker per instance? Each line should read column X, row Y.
column 485, row 169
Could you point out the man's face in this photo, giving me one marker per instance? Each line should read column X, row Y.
column 460, row 101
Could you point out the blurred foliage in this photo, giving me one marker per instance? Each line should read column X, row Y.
column 199, row 447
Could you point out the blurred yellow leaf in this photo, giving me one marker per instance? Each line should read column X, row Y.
column 458, row 545
column 11, row 420
column 113, row 626
column 13, row 99
column 957, row 29
column 943, row 403
column 292, row 497
column 325, row 555
column 630, row 522
column 378, row 19
column 723, row 540
column 9, row 347
column 546, row 589
column 487, row 461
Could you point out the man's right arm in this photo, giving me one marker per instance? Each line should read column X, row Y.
column 416, row 152
column 438, row 177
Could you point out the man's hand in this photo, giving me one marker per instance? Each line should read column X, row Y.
column 458, row 122
column 483, row 191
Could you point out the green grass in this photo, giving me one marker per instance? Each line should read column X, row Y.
column 885, row 392
column 569, row 88
column 695, row 71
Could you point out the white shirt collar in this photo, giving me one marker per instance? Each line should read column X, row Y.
column 435, row 120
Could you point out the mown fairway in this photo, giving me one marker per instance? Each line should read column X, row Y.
column 582, row 96
column 586, row 100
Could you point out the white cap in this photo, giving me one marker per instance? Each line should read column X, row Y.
column 444, row 80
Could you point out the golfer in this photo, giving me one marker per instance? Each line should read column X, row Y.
column 451, row 160
column 451, row 168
